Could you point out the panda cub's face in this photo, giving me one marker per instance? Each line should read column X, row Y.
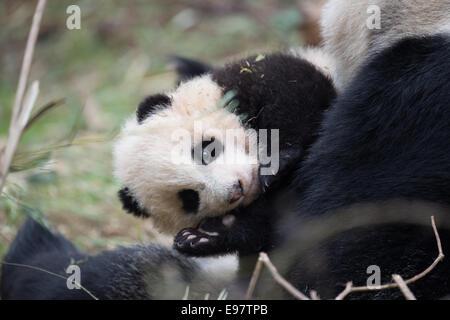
column 177, row 164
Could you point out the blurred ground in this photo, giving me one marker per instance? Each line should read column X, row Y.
column 103, row 71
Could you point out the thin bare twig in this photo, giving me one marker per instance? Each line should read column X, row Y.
column 15, row 132
column 43, row 110
column 27, row 58
column 5, row 237
column 403, row 287
column 264, row 258
column 346, row 291
column 51, row 273
column 22, row 110
column 254, row 279
column 349, row 287
column 314, row 295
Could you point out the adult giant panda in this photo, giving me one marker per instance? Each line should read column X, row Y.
column 382, row 157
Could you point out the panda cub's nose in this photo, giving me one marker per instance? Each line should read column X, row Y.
column 237, row 192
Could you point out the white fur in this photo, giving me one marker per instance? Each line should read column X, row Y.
column 350, row 41
column 221, row 268
column 323, row 61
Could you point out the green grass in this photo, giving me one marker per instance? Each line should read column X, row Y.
column 119, row 56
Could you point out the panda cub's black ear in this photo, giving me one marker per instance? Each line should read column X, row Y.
column 130, row 204
column 187, row 69
column 150, row 104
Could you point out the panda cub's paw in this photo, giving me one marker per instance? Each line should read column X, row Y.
column 195, row 242
column 208, row 238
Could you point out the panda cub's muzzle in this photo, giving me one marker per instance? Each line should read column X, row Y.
column 237, row 193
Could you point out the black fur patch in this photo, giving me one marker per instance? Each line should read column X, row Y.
column 279, row 91
column 188, row 69
column 113, row 274
column 131, row 205
column 387, row 135
column 149, row 104
column 191, row 200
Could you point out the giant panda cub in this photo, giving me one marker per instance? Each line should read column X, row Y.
column 209, row 174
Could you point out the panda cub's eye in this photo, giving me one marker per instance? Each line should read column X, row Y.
column 207, row 151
